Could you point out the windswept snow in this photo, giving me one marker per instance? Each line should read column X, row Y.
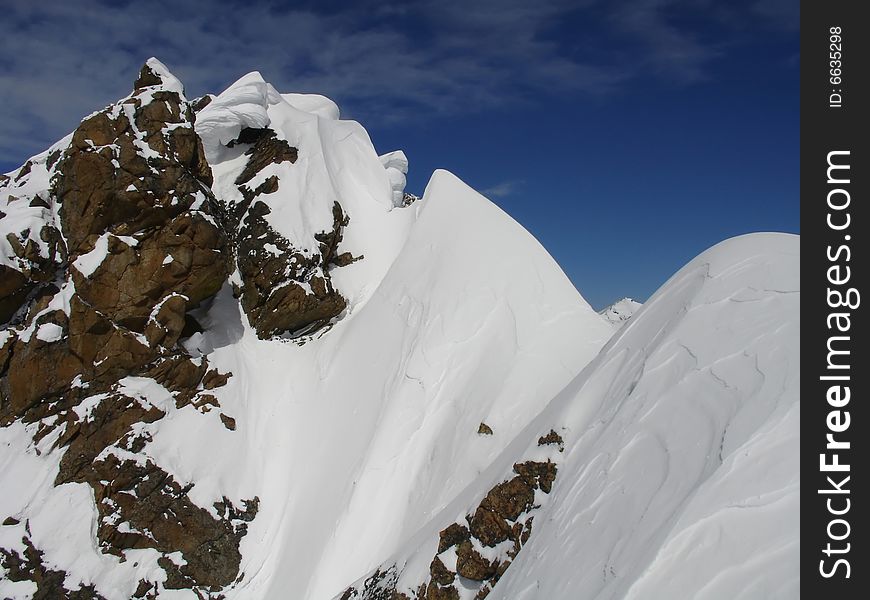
column 354, row 439
column 680, row 475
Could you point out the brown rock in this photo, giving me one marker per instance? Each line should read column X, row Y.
column 145, row 589
column 37, row 371
column 229, row 422
column 146, row 498
column 441, row 574
column 105, row 349
column 489, row 527
column 453, row 535
column 551, row 438
column 110, row 421
column 24, row 171
column 177, row 372
column 166, row 322
column 213, row 379
column 267, row 150
column 130, row 281
column 510, row 499
column 483, row 592
column 471, row 565
column 14, row 287
column 50, row 583
column 147, row 78
column 199, row 103
column 436, row 592
column 537, row 474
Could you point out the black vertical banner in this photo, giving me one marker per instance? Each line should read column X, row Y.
column 835, row 222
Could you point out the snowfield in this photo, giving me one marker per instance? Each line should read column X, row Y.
column 679, row 475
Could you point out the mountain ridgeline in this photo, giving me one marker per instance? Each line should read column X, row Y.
column 238, row 361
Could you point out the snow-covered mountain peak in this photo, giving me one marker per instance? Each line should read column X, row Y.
column 620, row 311
column 238, row 362
column 155, row 73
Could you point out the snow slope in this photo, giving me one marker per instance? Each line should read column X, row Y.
column 355, row 436
column 680, row 472
column 337, row 163
column 371, row 429
column 683, row 480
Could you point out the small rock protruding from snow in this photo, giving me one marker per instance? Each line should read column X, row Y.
column 620, row 311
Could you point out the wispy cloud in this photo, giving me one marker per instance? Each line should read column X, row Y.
column 503, row 189
column 60, row 60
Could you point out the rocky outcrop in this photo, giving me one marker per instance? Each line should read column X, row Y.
column 285, row 290
column 129, row 238
column 108, row 241
column 50, row 583
column 32, row 248
column 480, row 550
column 141, row 245
column 552, row 438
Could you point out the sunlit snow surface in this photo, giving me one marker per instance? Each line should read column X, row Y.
column 355, row 439
column 679, row 477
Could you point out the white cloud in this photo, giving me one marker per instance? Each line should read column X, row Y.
column 503, row 189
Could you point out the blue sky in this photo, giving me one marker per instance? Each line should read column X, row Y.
column 627, row 136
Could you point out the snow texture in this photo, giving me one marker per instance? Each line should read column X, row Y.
column 680, row 474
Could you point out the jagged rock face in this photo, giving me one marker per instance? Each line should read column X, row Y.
column 29, row 566
column 141, row 240
column 284, row 290
column 32, row 247
column 500, row 524
column 123, row 238
column 110, row 242
column 133, row 185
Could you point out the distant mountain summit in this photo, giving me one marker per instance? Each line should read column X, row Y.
column 620, row 311
column 238, row 361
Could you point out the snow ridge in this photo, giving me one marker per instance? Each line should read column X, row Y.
column 651, row 458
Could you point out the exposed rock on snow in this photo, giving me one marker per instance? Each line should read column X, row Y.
column 480, row 551
column 239, row 361
column 682, row 454
column 620, row 311
column 130, row 189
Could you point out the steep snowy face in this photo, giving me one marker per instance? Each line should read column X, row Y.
column 373, row 428
column 238, row 361
column 292, row 175
column 620, row 311
column 667, row 469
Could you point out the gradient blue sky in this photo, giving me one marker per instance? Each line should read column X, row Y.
column 627, row 136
